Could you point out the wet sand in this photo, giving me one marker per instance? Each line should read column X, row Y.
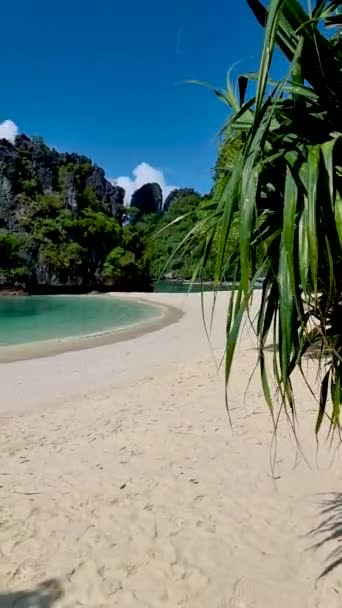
column 164, row 316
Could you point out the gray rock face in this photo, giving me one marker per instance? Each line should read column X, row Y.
column 111, row 197
column 147, row 199
column 30, row 169
column 30, row 165
column 69, row 191
column 6, row 202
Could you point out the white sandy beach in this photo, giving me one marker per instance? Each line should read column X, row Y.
column 121, row 480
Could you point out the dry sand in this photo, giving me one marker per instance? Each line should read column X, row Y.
column 122, row 481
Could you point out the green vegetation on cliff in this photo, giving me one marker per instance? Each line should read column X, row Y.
column 61, row 224
column 64, row 227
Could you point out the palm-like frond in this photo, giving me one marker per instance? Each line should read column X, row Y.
column 286, row 184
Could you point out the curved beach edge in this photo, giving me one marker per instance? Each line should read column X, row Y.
column 34, row 350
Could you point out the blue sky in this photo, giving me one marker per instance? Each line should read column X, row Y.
column 103, row 78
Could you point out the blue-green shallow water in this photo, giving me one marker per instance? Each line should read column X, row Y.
column 25, row 319
column 183, row 287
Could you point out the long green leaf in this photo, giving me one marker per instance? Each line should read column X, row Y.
column 311, row 184
column 322, row 401
column 327, row 152
column 338, row 217
column 230, row 195
column 289, row 224
column 271, row 28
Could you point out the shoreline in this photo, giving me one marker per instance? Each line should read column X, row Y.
column 57, row 346
column 113, row 360
column 123, row 456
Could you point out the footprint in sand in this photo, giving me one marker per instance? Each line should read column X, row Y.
column 241, row 589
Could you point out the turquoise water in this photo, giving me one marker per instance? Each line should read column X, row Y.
column 182, row 287
column 26, row 319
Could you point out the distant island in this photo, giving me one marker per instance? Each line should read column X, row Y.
column 64, row 228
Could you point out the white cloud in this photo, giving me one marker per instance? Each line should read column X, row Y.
column 8, row 130
column 142, row 174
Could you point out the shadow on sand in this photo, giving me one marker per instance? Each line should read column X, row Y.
column 329, row 530
column 43, row 596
